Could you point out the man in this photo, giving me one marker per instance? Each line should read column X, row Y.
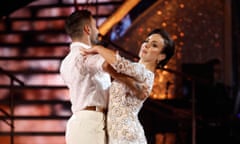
column 87, row 82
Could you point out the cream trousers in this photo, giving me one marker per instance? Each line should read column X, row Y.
column 86, row 127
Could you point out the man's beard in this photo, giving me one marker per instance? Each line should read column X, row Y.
column 101, row 41
column 94, row 40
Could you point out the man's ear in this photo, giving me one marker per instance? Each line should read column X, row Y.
column 86, row 29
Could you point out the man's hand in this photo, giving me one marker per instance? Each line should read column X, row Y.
column 140, row 90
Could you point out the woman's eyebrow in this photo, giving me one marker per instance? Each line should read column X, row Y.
column 154, row 41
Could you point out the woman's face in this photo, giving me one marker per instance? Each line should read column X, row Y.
column 151, row 48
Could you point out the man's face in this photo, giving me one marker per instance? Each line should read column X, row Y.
column 94, row 32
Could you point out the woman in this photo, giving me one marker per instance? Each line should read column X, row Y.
column 132, row 85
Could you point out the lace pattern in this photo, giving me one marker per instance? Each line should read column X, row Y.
column 122, row 119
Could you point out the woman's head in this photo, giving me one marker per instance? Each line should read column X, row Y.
column 158, row 48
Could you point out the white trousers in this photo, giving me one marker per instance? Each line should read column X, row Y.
column 86, row 127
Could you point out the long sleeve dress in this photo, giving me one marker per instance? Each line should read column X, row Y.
column 122, row 119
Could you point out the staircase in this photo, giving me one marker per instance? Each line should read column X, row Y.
column 32, row 44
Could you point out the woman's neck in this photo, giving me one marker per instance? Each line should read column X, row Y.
column 149, row 66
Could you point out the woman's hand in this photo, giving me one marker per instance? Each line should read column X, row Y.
column 92, row 50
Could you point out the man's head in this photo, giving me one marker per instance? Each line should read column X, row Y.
column 81, row 25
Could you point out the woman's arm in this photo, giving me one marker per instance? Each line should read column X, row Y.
column 139, row 89
column 122, row 70
column 120, row 64
column 108, row 54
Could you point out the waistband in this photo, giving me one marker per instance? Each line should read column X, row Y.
column 95, row 108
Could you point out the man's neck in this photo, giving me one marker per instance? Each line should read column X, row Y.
column 82, row 40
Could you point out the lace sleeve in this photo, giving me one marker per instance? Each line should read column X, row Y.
column 93, row 63
column 129, row 68
column 150, row 81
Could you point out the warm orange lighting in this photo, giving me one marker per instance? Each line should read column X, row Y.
column 159, row 12
column 181, row 5
column 117, row 16
column 174, row 37
column 164, row 24
column 159, row 90
column 181, row 34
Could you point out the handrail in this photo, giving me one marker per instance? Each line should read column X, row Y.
column 34, row 87
column 12, row 77
column 11, row 124
column 31, row 58
column 30, row 133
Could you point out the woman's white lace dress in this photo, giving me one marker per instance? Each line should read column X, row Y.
column 122, row 119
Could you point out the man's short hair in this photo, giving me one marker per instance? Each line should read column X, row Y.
column 75, row 22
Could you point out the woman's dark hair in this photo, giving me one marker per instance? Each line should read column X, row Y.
column 75, row 22
column 169, row 46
